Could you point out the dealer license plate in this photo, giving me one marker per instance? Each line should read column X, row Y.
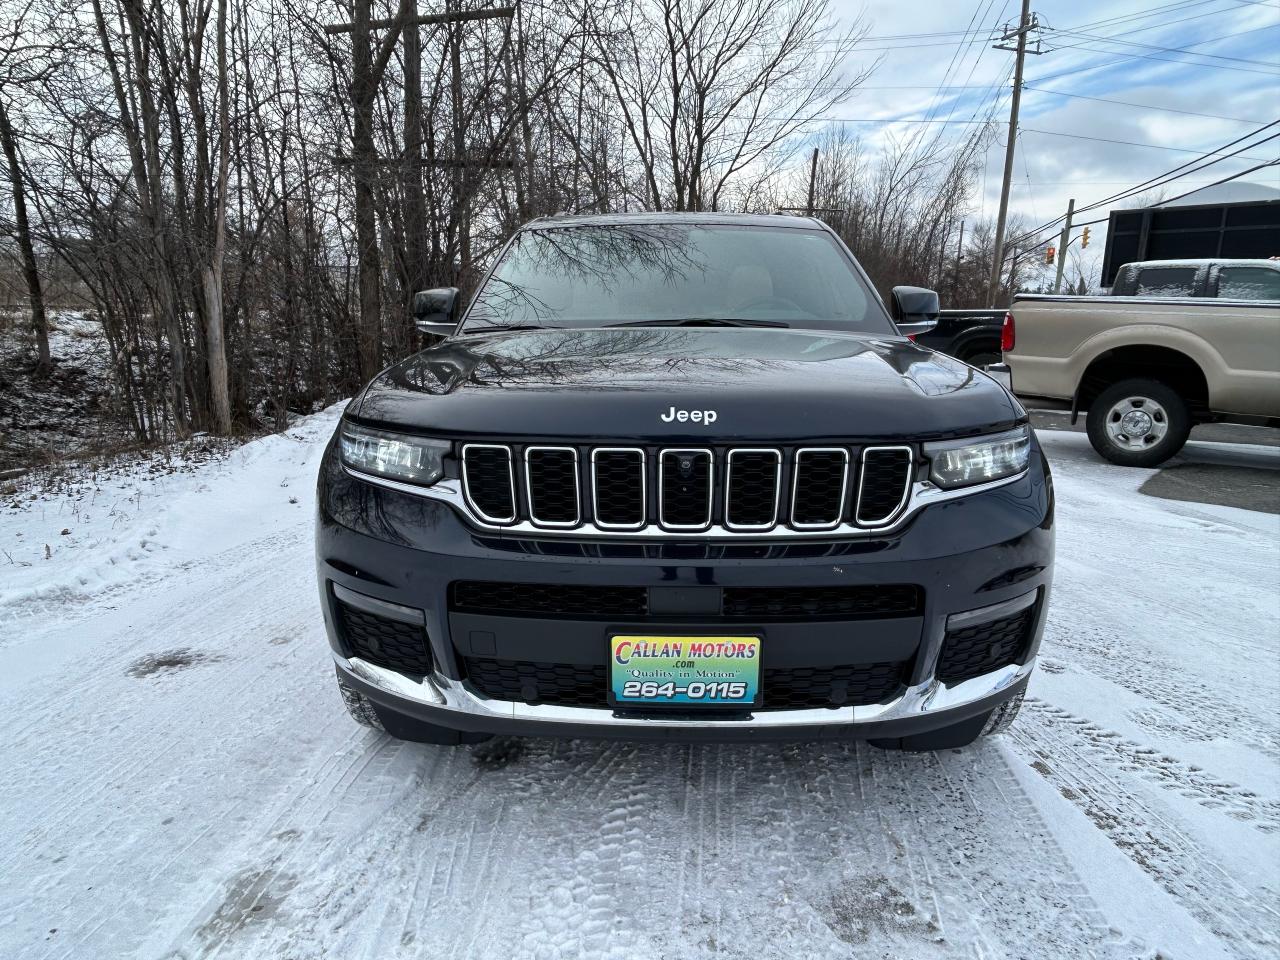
column 684, row 671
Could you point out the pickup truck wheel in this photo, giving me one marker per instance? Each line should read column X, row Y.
column 981, row 358
column 1138, row 423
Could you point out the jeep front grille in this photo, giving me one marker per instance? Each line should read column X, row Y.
column 739, row 490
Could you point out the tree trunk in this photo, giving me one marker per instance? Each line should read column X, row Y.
column 30, row 270
column 364, row 157
column 415, row 203
column 214, row 334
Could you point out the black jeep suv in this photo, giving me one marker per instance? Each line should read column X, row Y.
column 682, row 477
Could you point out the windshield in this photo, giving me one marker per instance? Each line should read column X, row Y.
column 646, row 273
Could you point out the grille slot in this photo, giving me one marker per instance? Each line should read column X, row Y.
column 969, row 652
column 584, row 685
column 594, row 602
column 819, row 488
column 488, row 482
column 753, row 479
column 388, row 643
column 804, row 603
column 551, row 479
column 582, row 601
column 618, row 488
column 884, row 485
column 791, row 688
column 685, row 485
column 561, row 684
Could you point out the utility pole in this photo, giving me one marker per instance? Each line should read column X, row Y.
column 1026, row 23
column 1062, row 244
column 813, row 177
column 368, row 66
column 955, row 282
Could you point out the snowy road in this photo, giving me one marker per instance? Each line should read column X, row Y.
column 181, row 780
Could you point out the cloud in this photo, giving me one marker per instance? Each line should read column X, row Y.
column 1052, row 167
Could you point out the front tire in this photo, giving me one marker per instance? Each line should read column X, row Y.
column 359, row 706
column 1138, row 423
column 366, row 713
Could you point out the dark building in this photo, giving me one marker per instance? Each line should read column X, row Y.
column 1193, row 229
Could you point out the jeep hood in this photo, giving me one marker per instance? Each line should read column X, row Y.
column 619, row 384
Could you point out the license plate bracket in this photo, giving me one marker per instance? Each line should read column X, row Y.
column 684, row 672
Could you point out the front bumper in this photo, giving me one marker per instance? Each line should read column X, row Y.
column 450, row 703
column 976, row 557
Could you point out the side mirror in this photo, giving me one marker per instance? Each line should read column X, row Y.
column 915, row 310
column 433, row 311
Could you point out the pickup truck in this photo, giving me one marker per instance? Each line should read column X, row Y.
column 972, row 336
column 683, row 477
column 1196, row 342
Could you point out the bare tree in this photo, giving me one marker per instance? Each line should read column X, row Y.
column 211, row 275
column 24, row 63
column 707, row 91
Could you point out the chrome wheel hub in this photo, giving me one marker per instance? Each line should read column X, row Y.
column 1137, row 423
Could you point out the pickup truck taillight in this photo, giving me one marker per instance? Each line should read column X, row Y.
column 1006, row 334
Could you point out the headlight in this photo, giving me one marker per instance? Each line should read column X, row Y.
column 960, row 463
column 392, row 455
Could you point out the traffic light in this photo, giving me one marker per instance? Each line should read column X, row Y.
column 1049, row 253
column 1084, row 238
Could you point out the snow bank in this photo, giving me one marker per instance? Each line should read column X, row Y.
column 75, row 540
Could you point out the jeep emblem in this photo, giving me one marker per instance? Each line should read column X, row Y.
column 689, row 416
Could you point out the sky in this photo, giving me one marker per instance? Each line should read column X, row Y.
column 1228, row 87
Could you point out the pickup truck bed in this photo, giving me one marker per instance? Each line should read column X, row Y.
column 1211, row 359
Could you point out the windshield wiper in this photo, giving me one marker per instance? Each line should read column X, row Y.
column 508, row 327
column 703, row 322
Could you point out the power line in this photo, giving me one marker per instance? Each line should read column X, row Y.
column 1161, row 25
column 1176, row 173
column 1129, row 143
column 1143, row 106
column 1144, row 56
column 1210, row 158
column 1187, row 49
column 1166, row 200
column 1162, row 10
column 1234, row 176
column 977, row 60
column 978, row 12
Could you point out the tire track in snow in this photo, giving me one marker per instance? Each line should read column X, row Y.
column 1059, row 747
column 577, row 912
column 1057, row 913
column 133, row 737
column 1184, row 779
column 1143, row 674
column 67, row 604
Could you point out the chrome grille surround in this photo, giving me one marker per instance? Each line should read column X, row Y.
column 795, row 487
column 529, row 454
column 884, row 519
column 643, row 488
column 466, row 483
column 662, row 487
column 915, row 495
column 741, row 452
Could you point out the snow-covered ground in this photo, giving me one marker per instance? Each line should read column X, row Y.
column 180, row 779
